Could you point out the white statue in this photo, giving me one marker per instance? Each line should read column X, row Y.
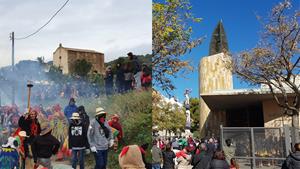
column 187, row 108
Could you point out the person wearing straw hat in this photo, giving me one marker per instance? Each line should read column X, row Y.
column 44, row 146
column 77, row 140
column 100, row 138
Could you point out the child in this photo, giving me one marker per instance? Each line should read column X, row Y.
column 233, row 164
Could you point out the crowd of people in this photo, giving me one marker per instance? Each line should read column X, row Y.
column 119, row 78
column 128, row 76
column 187, row 153
column 191, row 153
column 65, row 134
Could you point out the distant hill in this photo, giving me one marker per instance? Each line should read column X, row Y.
column 123, row 59
column 33, row 69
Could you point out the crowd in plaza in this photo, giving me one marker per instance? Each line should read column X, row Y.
column 188, row 152
column 192, row 153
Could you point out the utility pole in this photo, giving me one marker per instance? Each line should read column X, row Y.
column 12, row 38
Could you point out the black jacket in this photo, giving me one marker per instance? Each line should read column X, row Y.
column 168, row 158
column 77, row 135
column 293, row 160
column 211, row 149
column 109, row 78
column 219, row 164
column 120, row 76
column 44, row 146
column 24, row 124
column 201, row 161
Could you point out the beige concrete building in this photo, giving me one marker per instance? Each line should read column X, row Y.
column 213, row 76
column 64, row 58
column 220, row 104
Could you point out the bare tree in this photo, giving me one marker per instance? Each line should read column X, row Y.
column 275, row 62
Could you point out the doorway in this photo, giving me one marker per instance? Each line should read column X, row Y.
column 247, row 116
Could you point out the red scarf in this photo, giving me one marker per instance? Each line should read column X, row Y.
column 33, row 128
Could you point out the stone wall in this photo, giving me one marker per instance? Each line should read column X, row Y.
column 273, row 115
column 96, row 59
column 60, row 59
column 64, row 58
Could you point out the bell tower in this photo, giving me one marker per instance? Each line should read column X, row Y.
column 213, row 75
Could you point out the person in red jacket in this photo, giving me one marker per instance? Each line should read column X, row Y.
column 114, row 123
column 146, row 79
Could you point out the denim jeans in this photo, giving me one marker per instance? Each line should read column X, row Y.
column 101, row 159
column 45, row 162
column 75, row 155
column 137, row 78
column 155, row 166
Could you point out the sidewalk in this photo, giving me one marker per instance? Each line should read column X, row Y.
column 61, row 166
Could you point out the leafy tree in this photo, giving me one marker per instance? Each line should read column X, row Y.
column 165, row 115
column 171, row 39
column 275, row 62
column 195, row 113
column 82, row 67
column 41, row 60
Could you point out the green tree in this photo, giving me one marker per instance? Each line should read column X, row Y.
column 275, row 63
column 82, row 67
column 171, row 38
column 167, row 116
column 41, row 59
column 195, row 113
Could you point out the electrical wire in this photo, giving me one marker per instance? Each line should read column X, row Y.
column 25, row 37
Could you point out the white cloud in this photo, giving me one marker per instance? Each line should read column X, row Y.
column 110, row 26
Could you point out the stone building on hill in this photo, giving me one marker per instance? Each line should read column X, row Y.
column 64, row 58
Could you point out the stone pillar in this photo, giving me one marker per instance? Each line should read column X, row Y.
column 213, row 75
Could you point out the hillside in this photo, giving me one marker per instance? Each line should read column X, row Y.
column 123, row 59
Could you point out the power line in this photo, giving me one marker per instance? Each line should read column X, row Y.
column 25, row 37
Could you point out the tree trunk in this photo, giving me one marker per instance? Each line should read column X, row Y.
column 295, row 128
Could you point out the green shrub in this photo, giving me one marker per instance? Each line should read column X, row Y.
column 134, row 109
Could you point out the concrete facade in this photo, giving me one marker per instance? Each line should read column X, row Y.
column 64, row 58
column 213, row 75
column 220, row 104
column 273, row 115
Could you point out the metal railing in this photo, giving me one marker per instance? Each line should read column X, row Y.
column 258, row 147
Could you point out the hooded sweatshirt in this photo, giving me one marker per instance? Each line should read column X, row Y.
column 293, row 160
column 96, row 135
column 77, row 136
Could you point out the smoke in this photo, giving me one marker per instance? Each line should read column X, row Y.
column 48, row 86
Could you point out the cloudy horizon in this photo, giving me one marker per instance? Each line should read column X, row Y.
column 109, row 26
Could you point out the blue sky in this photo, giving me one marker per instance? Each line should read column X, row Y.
column 241, row 26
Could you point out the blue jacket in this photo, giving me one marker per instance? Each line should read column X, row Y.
column 69, row 110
